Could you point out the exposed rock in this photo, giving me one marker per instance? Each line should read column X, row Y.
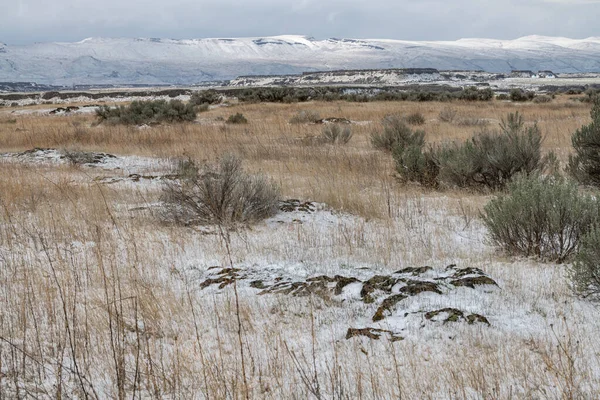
column 258, row 285
column 87, row 158
column 224, row 278
column 372, row 333
column 473, row 281
column 414, row 270
column 456, row 315
column 413, row 288
column 64, row 110
column 342, row 282
column 378, row 289
column 473, row 318
column 333, row 120
column 386, row 305
column 460, row 272
column 292, row 205
column 378, row 282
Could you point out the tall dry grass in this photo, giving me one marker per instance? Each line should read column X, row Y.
column 101, row 300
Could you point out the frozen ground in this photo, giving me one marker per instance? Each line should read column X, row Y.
column 419, row 306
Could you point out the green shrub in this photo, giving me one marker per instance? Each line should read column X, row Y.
column 210, row 96
column 584, row 165
column 585, row 270
column 336, row 134
column 487, row 160
column 591, row 94
column 220, row 194
column 415, row 118
column 540, row 216
column 396, row 133
column 521, row 95
column 472, row 93
column 415, row 165
column 147, row 112
column 458, row 164
column 237, row 118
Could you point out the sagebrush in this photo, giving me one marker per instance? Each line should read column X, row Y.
column 542, row 216
column 147, row 112
column 336, row 134
column 584, row 165
column 585, row 270
column 396, row 133
column 221, row 194
column 486, row 161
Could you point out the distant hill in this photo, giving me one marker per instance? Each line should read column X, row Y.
column 164, row 61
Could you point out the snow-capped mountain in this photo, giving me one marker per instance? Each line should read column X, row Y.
column 166, row 61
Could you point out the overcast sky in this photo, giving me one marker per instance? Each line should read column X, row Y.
column 28, row 21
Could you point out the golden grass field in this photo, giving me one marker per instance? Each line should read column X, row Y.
column 99, row 297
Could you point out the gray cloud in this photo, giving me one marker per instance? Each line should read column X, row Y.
column 26, row 21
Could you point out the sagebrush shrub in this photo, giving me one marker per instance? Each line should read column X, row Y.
column 220, row 194
column 487, row 160
column 584, row 165
column 210, row 96
column 540, row 216
column 336, row 134
column 396, row 133
column 585, row 270
column 413, row 164
column 147, row 112
column 520, row 95
column 237, row 118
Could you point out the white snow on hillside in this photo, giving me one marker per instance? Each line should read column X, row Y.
column 160, row 61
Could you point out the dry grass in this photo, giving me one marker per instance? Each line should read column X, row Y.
column 100, row 300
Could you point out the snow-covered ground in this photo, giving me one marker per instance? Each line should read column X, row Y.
column 419, row 306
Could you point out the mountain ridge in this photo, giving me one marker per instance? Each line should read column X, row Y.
column 99, row 60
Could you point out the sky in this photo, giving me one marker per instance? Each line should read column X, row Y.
column 29, row 21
